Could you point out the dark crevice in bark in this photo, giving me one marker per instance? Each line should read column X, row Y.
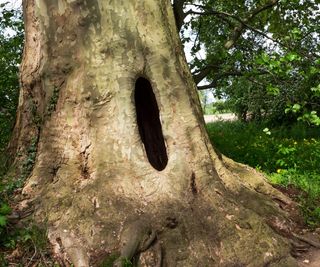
column 171, row 222
column 54, row 170
column 193, row 185
column 84, row 155
column 149, row 124
column 84, row 171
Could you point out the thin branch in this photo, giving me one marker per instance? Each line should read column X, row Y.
column 255, row 82
column 213, row 12
column 263, row 34
column 207, row 86
column 226, row 20
column 227, row 74
column 237, row 31
column 200, row 74
column 258, row 10
column 197, row 39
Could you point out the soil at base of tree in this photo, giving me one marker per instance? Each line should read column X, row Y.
column 28, row 255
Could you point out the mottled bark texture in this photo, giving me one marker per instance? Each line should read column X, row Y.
column 93, row 182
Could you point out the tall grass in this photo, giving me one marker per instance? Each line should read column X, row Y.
column 288, row 155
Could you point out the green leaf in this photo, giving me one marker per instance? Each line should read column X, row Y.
column 296, row 108
column 292, row 56
column 5, row 209
column 316, row 90
column 296, row 31
column 314, row 70
column 265, row 57
column 3, row 221
column 311, row 118
column 273, row 90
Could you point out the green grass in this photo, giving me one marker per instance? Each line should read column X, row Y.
column 288, row 155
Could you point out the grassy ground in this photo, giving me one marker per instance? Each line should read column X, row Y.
column 290, row 156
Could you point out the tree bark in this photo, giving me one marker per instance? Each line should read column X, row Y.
column 148, row 188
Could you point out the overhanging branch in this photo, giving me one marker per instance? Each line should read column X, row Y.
column 243, row 23
column 200, row 74
column 228, row 74
column 207, row 86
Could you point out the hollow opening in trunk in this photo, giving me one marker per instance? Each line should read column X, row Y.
column 149, row 124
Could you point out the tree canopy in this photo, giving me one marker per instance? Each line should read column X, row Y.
column 262, row 56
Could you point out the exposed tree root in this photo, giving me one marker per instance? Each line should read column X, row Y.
column 135, row 238
column 307, row 240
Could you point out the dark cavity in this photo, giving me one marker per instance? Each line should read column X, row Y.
column 149, row 124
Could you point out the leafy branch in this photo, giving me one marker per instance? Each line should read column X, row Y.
column 243, row 23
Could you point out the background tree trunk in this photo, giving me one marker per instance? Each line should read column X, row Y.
column 107, row 180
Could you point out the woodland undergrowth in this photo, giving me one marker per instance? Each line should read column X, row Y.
column 288, row 155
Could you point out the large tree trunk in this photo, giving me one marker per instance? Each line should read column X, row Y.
column 124, row 165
